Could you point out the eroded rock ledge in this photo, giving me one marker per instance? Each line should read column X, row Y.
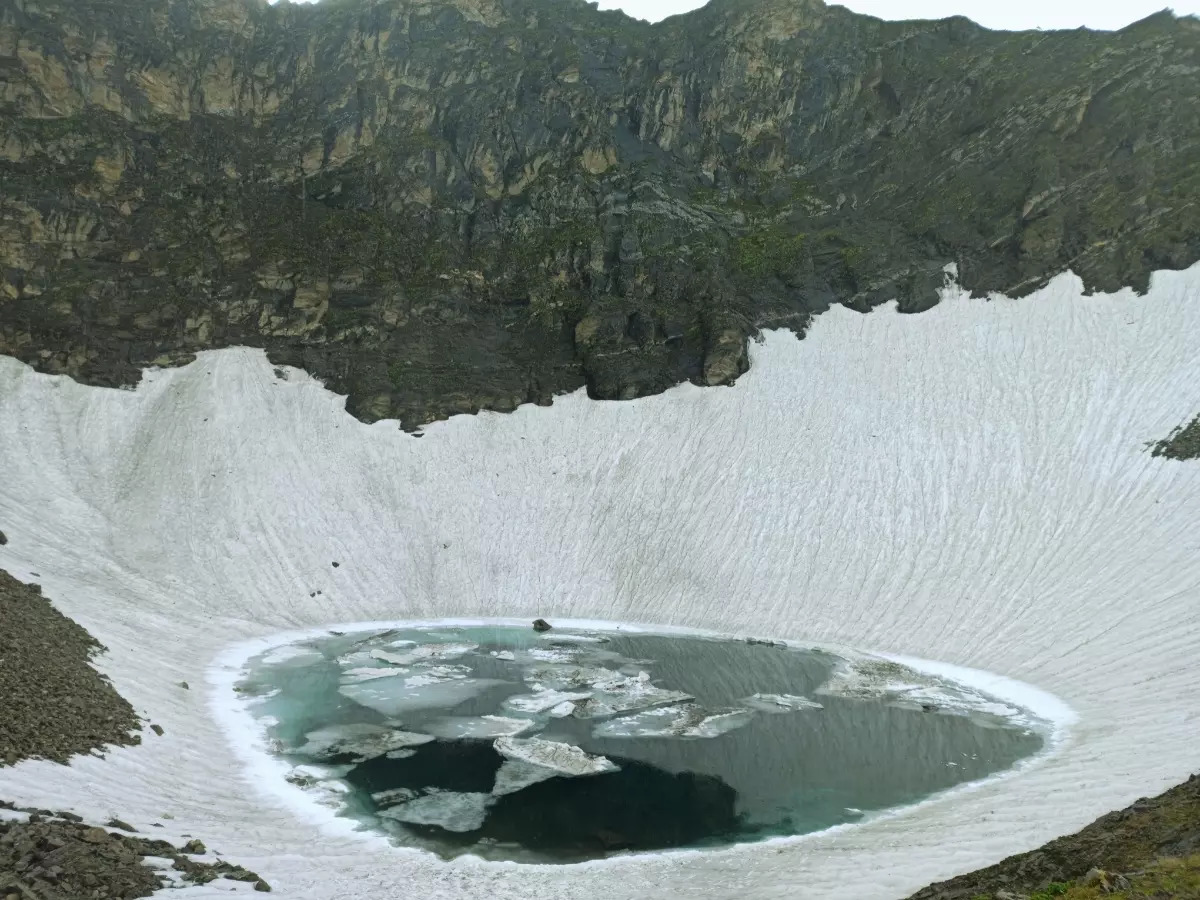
column 445, row 205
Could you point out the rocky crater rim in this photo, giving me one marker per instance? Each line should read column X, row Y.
column 463, row 205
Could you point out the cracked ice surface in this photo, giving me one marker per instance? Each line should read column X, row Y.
column 446, row 809
column 361, row 740
column 780, row 703
column 967, row 485
column 425, row 689
column 563, row 759
column 687, row 721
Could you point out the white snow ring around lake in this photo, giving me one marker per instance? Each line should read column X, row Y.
column 969, row 485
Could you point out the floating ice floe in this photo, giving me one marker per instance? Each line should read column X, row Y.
column 307, row 775
column 559, row 637
column 560, row 758
column 291, row 653
column 360, row 740
column 424, row 653
column 457, row 812
column 394, row 796
column 611, row 692
column 436, row 688
column 563, row 710
column 898, row 685
column 506, row 655
column 479, row 726
column 684, row 721
column 780, row 703
column 548, row 655
column 541, row 701
column 516, row 775
column 352, row 676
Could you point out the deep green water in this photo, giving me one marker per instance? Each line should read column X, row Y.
column 722, row 767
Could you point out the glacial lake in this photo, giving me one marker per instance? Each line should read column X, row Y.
column 569, row 745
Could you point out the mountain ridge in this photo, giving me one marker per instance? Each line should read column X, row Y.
column 440, row 207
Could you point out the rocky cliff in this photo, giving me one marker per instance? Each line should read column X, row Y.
column 445, row 205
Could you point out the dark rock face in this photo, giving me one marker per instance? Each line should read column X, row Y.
column 444, row 205
column 1183, row 442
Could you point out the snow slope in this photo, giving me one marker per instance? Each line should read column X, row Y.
column 967, row 485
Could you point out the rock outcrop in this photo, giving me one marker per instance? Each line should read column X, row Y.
column 439, row 206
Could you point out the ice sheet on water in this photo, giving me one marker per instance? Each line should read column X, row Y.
column 535, row 655
column 560, row 637
column 424, row 653
column 452, row 727
column 780, row 703
column 629, row 696
column 361, row 740
column 394, row 796
column 404, row 693
column 351, row 676
column 561, row 758
column 563, row 710
column 516, row 775
column 541, row 701
column 686, row 721
column 292, row 654
column 457, row 812
column 611, row 692
column 897, row 685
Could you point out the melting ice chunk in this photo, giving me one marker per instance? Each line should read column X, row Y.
column 434, row 688
column 898, row 685
column 350, row 676
column 445, row 809
column 780, row 703
column 394, row 796
column 425, row 653
column 540, row 701
column 291, row 653
column 684, row 721
column 611, row 692
column 362, row 741
column 516, row 775
column 558, row 757
column 479, row 726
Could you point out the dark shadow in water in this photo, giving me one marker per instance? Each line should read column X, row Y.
column 640, row 807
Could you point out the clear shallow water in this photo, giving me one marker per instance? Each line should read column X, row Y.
column 572, row 745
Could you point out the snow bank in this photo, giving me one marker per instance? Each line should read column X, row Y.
column 968, row 485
